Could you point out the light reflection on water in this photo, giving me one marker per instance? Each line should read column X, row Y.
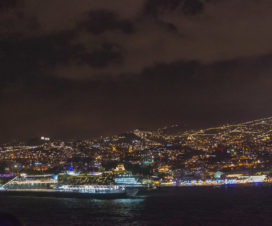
column 71, row 211
column 199, row 206
column 119, row 201
column 128, row 201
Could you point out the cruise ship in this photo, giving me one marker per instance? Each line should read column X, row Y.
column 124, row 185
column 104, row 192
column 131, row 183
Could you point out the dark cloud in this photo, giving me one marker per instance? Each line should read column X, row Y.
column 101, row 67
column 11, row 4
column 193, row 7
column 101, row 20
column 59, row 15
column 214, row 31
column 28, row 59
column 103, row 56
column 159, row 7
column 190, row 92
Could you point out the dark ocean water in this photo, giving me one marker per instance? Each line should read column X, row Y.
column 236, row 205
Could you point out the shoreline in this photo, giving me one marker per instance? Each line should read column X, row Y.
column 213, row 184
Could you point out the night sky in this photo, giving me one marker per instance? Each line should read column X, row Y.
column 85, row 68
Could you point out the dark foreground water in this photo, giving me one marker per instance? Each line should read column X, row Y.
column 236, row 205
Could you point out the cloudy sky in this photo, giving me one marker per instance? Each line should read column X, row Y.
column 84, row 68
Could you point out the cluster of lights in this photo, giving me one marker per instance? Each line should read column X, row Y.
column 251, row 179
column 91, row 189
